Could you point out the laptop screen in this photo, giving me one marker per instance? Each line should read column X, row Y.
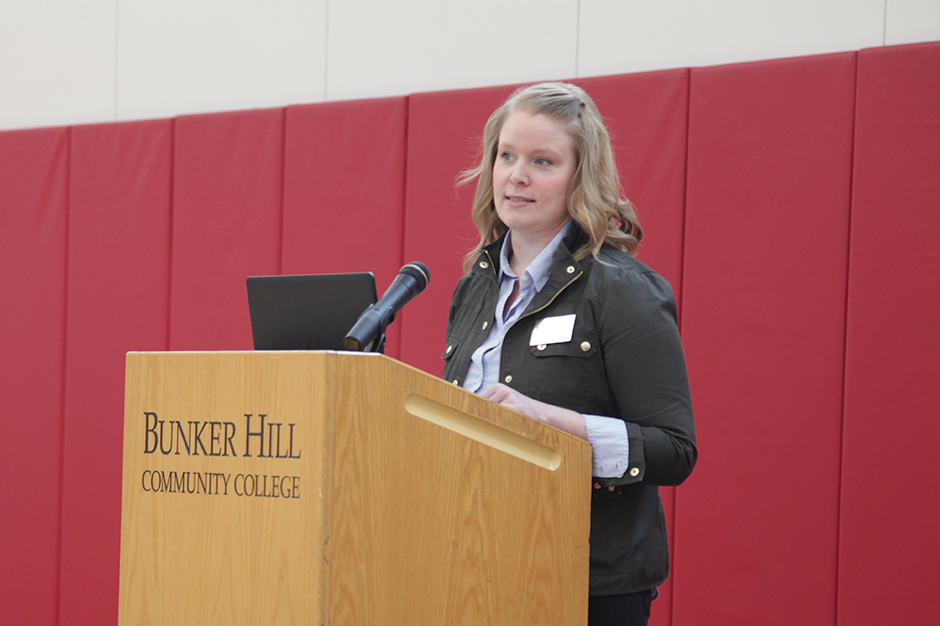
column 308, row 312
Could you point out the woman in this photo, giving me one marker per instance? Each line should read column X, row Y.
column 556, row 319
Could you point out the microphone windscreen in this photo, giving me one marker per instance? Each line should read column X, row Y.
column 419, row 271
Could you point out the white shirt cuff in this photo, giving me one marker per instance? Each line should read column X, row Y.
column 610, row 445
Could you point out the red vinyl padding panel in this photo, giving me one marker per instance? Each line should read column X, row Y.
column 33, row 214
column 767, row 214
column 889, row 559
column 647, row 116
column 445, row 131
column 228, row 178
column 119, row 244
column 344, row 192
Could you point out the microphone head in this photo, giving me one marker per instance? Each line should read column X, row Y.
column 419, row 271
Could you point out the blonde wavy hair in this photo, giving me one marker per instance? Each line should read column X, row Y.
column 594, row 196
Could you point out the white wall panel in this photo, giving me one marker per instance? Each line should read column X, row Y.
column 912, row 21
column 101, row 60
column 188, row 56
column 56, row 62
column 634, row 35
column 407, row 46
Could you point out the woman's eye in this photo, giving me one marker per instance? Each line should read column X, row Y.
column 543, row 162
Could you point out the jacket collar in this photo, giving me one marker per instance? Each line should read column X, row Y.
column 575, row 238
column 565, row 269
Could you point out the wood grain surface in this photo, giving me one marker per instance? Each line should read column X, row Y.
column 387, row 516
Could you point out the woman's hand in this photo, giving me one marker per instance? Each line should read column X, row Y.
column 512, row 399
column 563, row 419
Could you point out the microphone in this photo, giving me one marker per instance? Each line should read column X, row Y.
column 412, row 279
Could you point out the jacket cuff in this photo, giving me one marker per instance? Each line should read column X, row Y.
column 636, row 468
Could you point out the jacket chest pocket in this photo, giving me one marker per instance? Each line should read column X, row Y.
column 453, row 343
column 463, row 333
column 564, row 373
column 451, row 349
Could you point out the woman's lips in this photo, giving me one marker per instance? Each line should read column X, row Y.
column 518, row 201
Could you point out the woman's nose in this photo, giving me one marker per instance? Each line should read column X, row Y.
column 519, row 176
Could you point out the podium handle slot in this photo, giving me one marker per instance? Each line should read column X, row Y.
column 482, row 431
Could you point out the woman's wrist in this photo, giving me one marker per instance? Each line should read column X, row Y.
column 564, row 419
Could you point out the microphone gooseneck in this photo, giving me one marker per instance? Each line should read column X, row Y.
column 368, row 333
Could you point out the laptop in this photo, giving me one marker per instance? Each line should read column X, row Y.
column 307, row 312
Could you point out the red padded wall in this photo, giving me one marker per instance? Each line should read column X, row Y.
column 139, row 236
column 889, row 558
column 444, row 136
column 647, row 116
column 344, row 192
column 770, row 148
column 119, row 243
column 33, row 197
column 227, row 184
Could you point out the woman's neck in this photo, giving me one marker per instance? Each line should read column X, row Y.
column 523, row 253
column 524, row 249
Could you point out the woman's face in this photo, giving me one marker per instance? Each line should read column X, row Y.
column 535, row 161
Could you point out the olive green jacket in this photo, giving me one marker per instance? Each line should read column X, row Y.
column 624, row 360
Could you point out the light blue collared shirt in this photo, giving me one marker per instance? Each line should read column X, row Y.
column 610, row 444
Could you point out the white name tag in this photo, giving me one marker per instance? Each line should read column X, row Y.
column 553, row 330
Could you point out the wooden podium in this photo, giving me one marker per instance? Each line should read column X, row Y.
column 339, row 489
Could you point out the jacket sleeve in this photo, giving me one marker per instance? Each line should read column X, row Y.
column 647, row 374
